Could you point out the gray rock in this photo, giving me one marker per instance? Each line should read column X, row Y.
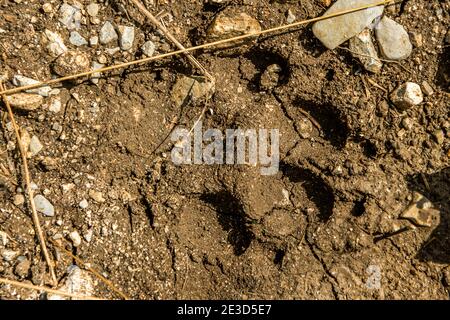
column 35, row 146
column 70, row 16
column 126, row 37
column 407, row 95
column 148, row 48
column 77, row 39
column 334, row 31
column 362, row 47
column 107, row 33
column 44, row 206
column 393, row 40
column 21, row 81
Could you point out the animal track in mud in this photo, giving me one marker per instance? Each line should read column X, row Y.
column 317, row 190
column 334, row 128
column 231, row 218
column 262, row 59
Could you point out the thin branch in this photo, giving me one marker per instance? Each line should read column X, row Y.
column 48, row 290
column 203, row 46
column 34, row 214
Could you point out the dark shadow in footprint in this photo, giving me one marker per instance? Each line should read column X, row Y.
column 333, row 126
column 317, row 190
column 437, row 247
column 261, row 59
column 443, row 73
column 231, row 217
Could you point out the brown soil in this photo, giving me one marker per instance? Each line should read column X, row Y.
column 226, row 232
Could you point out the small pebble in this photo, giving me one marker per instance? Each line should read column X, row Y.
column 20, row 81
column 35, row 146
column 9, row 255
column 92, row 9
column 75, row 238
column 407, row 95
column 427, row 88
column 107, row 33
column 93, row 41
column 70, row 16
column 290, row 16
column 83, row 204
column 47, row 7
column 77, row 39
column 44, row 206
column 148, row 48
column 126, row 37
column 55, row 106
column 97, row 196
column 19, row 199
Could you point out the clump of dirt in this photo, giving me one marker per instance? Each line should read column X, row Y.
column 324, row 227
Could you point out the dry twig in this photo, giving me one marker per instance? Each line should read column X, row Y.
column 34, row 214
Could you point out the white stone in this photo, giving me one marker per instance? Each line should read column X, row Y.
column 93, row 41
column 148, row 48
column 407, row 95
column 44, row 206
column 9, row 255
column 393, row 40
column 56, row 44
column 83, row 204
column 75, row 238
column 334, row 31
column 55, row 106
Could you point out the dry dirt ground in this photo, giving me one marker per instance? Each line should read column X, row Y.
column 322, row 228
